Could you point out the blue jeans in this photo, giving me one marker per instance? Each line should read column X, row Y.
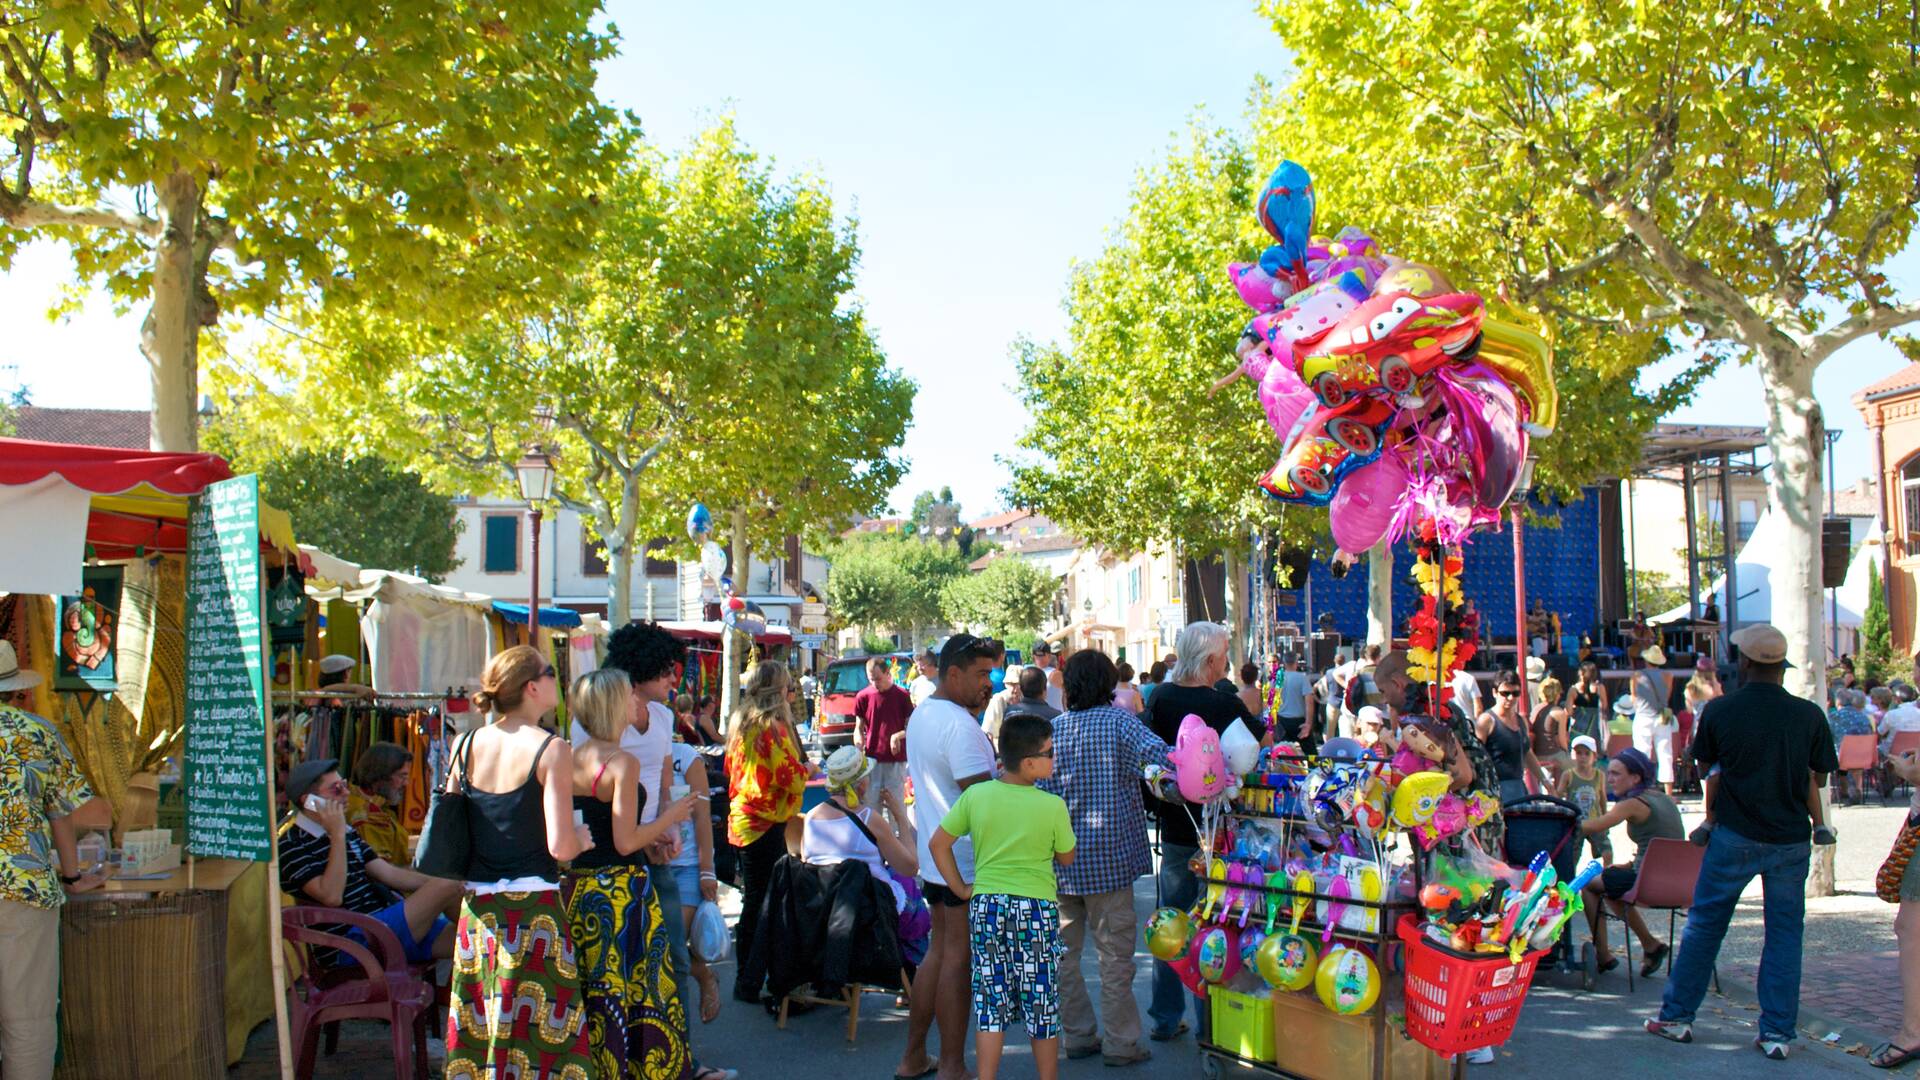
column 1178, row 889
column 1730, row 863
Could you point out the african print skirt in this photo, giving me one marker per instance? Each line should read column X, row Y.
column 518, row 1012
column 636, row 1023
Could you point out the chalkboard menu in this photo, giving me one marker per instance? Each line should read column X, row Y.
column 228, row 814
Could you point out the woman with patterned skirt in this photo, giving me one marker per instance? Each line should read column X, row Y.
column 517, row 1005
column 636, row 1022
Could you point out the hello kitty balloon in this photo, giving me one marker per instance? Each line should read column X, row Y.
column 1198, row 762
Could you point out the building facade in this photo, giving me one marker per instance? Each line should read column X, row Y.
column 1891, row 408
column 495, row 559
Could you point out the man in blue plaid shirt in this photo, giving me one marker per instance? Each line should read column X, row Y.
column 1098, row 753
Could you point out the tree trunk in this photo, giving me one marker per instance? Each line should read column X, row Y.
column 1236, row 601
column 1380, row 596
column 1796, row 435
column 618, row 538
column 170, row 335
column 731, row 652
column 620, row 582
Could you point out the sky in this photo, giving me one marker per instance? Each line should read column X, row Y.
column 982, row 148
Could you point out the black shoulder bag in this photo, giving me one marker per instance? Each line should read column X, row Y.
column 446, row 840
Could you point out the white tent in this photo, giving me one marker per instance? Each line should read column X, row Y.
column 1753, row 569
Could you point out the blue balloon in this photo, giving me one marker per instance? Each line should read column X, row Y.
column 699, row 521
column 1286, row 210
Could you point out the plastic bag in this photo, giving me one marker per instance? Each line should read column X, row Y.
column 710, row 939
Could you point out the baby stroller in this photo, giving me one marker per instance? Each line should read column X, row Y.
column 1540, row 823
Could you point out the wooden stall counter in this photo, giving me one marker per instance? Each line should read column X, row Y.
column 161, row 979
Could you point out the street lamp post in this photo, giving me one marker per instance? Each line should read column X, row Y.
column 535, row 471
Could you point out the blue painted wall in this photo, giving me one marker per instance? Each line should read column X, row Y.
column 1563, row 568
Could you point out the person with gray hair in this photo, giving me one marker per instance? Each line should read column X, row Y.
column 1902, row 717
column 1848, row 717
column 1188, row 690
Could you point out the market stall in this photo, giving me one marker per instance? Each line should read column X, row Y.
column 134, row 585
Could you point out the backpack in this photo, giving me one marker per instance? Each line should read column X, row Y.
column 1356, row 694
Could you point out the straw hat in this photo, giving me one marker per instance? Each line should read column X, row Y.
column 1536, row 669
column 847, row 767
column 1655, row 656
column 11, row 677
column 1623, row 706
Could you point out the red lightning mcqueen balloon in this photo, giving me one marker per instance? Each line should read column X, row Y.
column 1388, row 343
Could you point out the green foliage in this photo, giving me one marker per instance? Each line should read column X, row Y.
column 1127, row 448
column 710, row 350
column 361, row 508
column 1719, row 169
column 407, row 157
column 890, row 580
column 1011, row 595
column 1653, row 592
column 875, row 645
column 936, row 513
column 1876, row 662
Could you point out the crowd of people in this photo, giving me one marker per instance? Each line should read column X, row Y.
column 1008, row 827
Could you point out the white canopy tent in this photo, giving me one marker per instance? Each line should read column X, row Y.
column 1753, row 570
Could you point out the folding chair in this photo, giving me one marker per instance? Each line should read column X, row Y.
column 1859, row 755
column 1903, row 741
column 1667, row 877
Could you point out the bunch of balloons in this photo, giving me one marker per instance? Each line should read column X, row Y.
column 1394, row 395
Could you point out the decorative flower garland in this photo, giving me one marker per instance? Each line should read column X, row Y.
column 1443, row 634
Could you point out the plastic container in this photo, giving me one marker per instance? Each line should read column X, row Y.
column 1457, row 1003
column 1242, row 1023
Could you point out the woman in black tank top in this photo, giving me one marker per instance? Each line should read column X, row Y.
column 512, row 943
column 636, row 1022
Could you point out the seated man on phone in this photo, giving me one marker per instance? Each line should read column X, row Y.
column 323, row 861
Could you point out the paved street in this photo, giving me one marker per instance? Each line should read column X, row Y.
column 1848, row 975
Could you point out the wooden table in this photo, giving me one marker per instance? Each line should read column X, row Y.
column 160, row 978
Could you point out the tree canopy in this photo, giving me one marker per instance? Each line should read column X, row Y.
column 1729, row 177
column 1010, row 596
column 710, row 350
column 896, row 581
column 214, row 158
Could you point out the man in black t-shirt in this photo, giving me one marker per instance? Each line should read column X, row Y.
column 1188, row 690
column 323, row 861
column 1773, row 750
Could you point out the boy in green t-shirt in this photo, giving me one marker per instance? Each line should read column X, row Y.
column 1013, row 910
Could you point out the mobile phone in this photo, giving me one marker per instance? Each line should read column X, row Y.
column 314, row 803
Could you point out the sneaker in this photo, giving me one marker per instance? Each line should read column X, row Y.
column 1158, row 1035
column 1133, row 1057
column 1673, row 1030
column 1771, row 1048
column 1480, row 1056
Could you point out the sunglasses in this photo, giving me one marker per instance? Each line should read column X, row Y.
column 549, row 673
column 1506, row 693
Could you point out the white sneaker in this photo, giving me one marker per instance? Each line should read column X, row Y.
column 1774, row 1049
column 1482, row 1056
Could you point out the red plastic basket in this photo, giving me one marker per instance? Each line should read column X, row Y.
column 1457, row 1003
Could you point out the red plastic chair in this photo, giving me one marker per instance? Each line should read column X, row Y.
column 1903, row 741
column 1860, row 755
column 1667, row 877
column 1616, row 743
column 386, row 991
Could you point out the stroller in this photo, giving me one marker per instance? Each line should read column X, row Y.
column 1540, row 823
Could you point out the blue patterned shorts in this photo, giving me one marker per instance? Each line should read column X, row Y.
column 1016, row 963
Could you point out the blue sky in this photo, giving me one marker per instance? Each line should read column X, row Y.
column 983, row 147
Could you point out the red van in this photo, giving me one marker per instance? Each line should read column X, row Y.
column 842, row 680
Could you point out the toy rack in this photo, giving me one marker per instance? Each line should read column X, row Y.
column 1379, row 1031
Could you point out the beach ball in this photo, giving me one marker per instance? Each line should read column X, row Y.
column 1216, row 955
column 1347, row 981
column 1169, row 931
column 1288, row 961
column 1250, row 941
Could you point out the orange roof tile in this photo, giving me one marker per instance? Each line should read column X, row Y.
column 1907, row 378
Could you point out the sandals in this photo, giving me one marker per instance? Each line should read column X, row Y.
column 711, row 1072
column 709, row 1002
column 1889, row 1056
column 1612, row 962
column 1651, row 963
